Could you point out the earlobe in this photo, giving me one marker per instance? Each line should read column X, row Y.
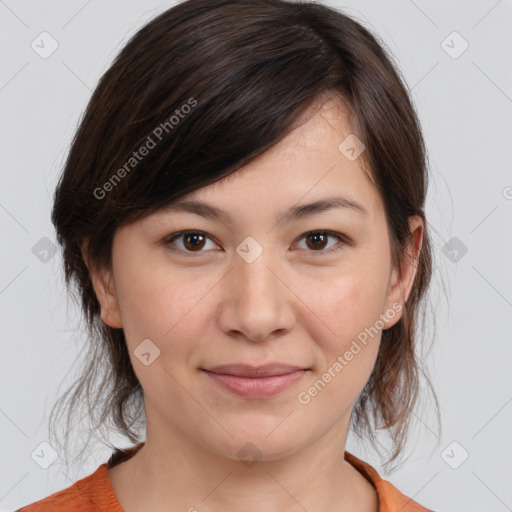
column 103, row 284
column 394, row 303
column 400, row 286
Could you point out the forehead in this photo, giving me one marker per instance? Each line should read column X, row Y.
column 309, row 165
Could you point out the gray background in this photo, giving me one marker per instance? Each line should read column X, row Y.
column 465, row 104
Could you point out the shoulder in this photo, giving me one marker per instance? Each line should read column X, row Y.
column 390, row 498
column 90, row 494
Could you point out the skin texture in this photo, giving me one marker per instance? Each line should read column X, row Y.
column 296, row 303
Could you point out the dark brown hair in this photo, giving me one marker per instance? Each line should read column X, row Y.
column 205, row 87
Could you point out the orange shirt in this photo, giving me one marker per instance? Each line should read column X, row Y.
column 94, row 493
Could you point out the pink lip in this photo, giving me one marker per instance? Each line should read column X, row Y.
column 255, row 382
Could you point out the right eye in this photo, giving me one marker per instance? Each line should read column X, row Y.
column 191, row 241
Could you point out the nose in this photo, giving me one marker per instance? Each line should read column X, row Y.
column 257, row 302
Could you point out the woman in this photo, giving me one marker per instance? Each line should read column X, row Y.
column 242, row 214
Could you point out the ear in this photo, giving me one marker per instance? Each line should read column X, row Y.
column 103, row 284
column 399, row 287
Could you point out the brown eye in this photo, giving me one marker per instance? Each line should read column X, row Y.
column 190, row 241
column 193, row 241
column 318, row 241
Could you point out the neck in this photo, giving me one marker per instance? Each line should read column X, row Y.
column 173, row 469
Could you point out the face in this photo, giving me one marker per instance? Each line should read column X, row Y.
column 268, row 281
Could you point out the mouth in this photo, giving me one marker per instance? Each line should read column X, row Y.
column 255, row 382
column 245, row 370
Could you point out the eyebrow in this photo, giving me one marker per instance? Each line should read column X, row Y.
column 295, row 212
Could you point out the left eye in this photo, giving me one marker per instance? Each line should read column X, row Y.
column 193, row 241
column 319, row 240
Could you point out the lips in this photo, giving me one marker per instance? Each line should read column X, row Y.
column 243, row 370
column 255, row 382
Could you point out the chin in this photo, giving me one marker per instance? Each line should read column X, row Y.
column 251, row 444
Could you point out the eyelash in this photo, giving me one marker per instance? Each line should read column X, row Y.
column 170, row 239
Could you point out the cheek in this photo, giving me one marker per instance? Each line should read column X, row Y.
column 170, row 309
column 346, row 311
column 164, row 306
column 350, row 302
column 348, row 348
